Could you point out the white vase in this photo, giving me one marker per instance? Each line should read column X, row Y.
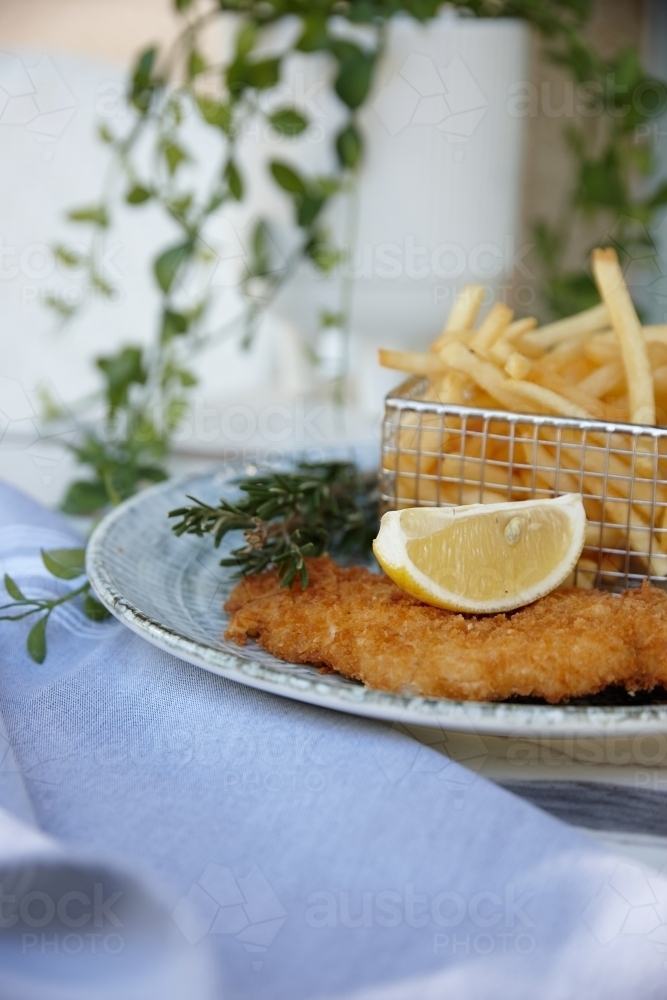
column 438, row 198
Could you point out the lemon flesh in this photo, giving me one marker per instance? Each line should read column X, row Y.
column 483, row 558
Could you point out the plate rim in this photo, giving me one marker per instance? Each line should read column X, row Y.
column 483, row 718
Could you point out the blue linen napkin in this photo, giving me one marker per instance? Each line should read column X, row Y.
column 285, row 850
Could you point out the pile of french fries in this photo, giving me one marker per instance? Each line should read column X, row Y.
column 602, row 365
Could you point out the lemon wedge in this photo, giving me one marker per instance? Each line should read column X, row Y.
column 482, row 558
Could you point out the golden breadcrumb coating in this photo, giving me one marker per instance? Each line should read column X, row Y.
column 568, row 644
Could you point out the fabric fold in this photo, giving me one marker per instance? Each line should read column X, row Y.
column 307, row 853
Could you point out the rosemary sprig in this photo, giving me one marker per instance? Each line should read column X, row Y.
column 287, row 516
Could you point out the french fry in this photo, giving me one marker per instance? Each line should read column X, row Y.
column 542, row 463
column 462, row 315
column 419, row 489
column 660, row 379
column 586, row 322
column 615, row 469
column 497, row 321
column 578, row 368
column 518, row 365
column 655, row 333
column 583, row 575
column 459, row 493
column 464, row 311
column 657, row 353
column 618, row 510
column 514, row 394
column 613, row 290
column 413, row 362
column 563, row 354
column 602, row 348
column 591, row 404
column 511, row 336
column 451, row 388
column 639, row 533
column 464, row 467
column 605, row 379
column 603, row 536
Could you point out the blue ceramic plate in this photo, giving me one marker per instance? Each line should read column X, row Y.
column 171, row 590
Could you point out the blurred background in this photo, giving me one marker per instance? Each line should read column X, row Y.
column 484, row 160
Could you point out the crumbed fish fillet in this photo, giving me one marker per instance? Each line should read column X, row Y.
column 568, row 644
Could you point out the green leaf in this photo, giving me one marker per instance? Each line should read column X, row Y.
column 174, row 324
column 260, row 249
column 174, row 155
column 63, row 309
column 309, row 208
column 168, row 264
column 94, row 610
column 246, row 38
column 180, row 206
column 96, row 214
column 349, row 147
column 67, row 257
column 571, row 294
column 13, row 589
column 105, row 134
column 324, row 255
column 288, row 121
column 314, row 37
column 143, row 84
column 601, row 183
column 659, row 197
column 354, row 80
column 121, row 371
column 264, row 74
column 84, row 497
column 66, row 564
column 216, row 114
column 137, row 195
column 151, row 473
column 234, row 180
column 36, row 641
column 100, row 284
column 287, row 178
column 196, row 64
column 182, row 5
column 331, row 318
column 259, row 75
column 362, row 12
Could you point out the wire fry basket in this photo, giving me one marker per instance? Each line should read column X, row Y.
column 441, row 454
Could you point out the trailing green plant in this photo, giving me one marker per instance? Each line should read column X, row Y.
column 65, row 564
column 614, row 157
column 145, row 389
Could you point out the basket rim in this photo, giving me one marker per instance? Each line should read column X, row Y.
column 402, row 398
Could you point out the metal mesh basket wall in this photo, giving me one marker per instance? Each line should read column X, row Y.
column 440, row 454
